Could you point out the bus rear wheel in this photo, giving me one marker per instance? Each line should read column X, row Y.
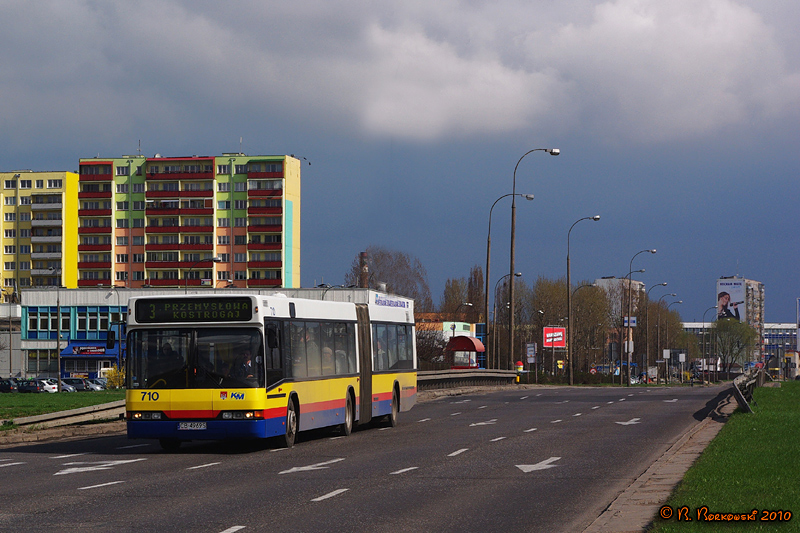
column 291, row 426
column 391, row 419
column 346, row 427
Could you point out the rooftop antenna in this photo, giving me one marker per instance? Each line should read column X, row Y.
column 240, row 145
column 140, row 147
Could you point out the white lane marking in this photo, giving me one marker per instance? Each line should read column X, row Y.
column 529, row 430
column 543, row 465
column 497, row 439
column 232, row 529
column 94, row 466
column 70, row 455
column 330, row 495
column 629, row 422
column 317, row 466
column 487, row 423
column 132, row 446
column 462, row 401
column 539, row 394
column 11, row 464
column 462, row 450
column 565, row 401
column 556, row 421
column 596, row 407
column 383, row 429
column 622, row 399
column 671, row 401
column 423, row 420
column 278, row 450
column 201, row 466
column 577, row 414
column 454, row 414
column 523, row 398
column 630, row 395
column 404, row 470
column 337, row 437
column 483, row 407
column 100, row 485
column 609, row 402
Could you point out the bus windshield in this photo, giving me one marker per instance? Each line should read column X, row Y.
column 195, row 358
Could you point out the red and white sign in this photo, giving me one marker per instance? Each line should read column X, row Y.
column 555, row 338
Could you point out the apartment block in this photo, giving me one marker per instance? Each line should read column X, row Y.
column 39, row 246
column 189, row 222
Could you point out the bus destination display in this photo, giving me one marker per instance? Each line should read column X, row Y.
column 234, row 309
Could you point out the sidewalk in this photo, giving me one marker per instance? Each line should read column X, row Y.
column 636, row 507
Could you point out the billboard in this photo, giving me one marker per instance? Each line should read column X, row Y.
column 730, row 299
column 555, row 337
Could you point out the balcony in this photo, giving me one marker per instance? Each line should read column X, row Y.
column 264, row 211
column 94, row 212
column 94, row 265
column 94, row 229
column 264, row 229
column 264, row 264
column 206, row 193
column 197, row 229
column 197, row 282
column 95, row 194
column 263, row 283
column 162, row 229
column 264, row 175
column 46, row 206
column 264, row 246
column 165, row 282
column 36, row 239
column 43, row 272
column 94, row 282
column 94, row 247
column 172, row 176
column 208, row 211
column 161, row 265
column 56, row 223
column 252, row 193
column 45, row 255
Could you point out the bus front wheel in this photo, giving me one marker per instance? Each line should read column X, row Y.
column 392, row 418
column 291, row 426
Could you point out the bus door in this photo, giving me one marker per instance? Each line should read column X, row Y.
column 365, row 363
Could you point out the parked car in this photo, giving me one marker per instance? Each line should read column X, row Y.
column 32, row 385
column 67, row 388
column 80, row 384
column 96, row 384
column 8, row 385
column 49, row 385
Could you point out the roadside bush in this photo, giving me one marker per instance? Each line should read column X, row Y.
column 116, row 378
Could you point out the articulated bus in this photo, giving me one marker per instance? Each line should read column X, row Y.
column 202, row 367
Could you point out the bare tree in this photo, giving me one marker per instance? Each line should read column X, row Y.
column 403, row 274
column 735, row 341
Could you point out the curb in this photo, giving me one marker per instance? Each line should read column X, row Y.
column 34, row 434
column 637, row 506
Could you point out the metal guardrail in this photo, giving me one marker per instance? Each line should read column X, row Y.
column 73, row 416
column 445, row 379
column 744, row 385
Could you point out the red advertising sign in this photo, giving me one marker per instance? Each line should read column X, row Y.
column 555, row 338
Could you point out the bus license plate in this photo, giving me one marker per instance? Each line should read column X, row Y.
column 191, row 425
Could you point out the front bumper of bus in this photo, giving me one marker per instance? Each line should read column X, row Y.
column 206, row 429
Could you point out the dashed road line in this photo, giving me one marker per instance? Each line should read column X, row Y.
column 457, row 452
column 556, row 421
column 100, row 485
column 404, row 470
column 330, row 495
column 132, row 446
column 201, row 466
column 497, row 439
column 423, row 420
column 12, row 464
column 529, row 430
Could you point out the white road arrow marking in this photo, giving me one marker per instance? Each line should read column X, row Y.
column 11, row 464
column 629, row 422
column 487, row 423
column 97, row 465
column 671, row 401
column 544, row 465
column 318, row 466
column 330, row 495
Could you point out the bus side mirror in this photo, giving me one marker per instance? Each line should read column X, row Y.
column 111, row 339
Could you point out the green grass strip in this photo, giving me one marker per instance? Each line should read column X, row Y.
column 753, row 464
column 16, row 405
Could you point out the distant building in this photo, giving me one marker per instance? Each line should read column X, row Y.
column 742, row 299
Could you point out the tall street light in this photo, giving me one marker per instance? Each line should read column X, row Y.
column 488, row 253
column 569, row 299
column 58, row 323
column 623, row 329
column 629, row 347
column 551, row 151
column 455, row 315
column 494, row 310
column 705, row 357
column 658, row 322
column 215, row 259
column 667, row 326
column 646, row 361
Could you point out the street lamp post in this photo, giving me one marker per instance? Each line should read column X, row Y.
column 215, row 259
column 658, row 322
column 623, row 328
column 706, row 356
column 551, row 151
column 488, row 254
column 455, row 315
column 494, row 311
column 646, row 361
column 667, row 332
column 58, row 324
column 569, row 299
column 629, row 344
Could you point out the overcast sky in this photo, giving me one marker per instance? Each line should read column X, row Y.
column 678, row 123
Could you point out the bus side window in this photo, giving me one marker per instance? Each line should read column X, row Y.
column 273, row 351
column 297, row 349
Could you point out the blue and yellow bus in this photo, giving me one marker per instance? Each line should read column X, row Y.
column 224, row 366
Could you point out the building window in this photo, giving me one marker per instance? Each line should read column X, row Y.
column 11, row 184
column 223, row 275
column 225, row 258
column 10, row 265
column 240, row 222
column 122, row 206
column 240, row 186
column 223, row 169
column 24, row 200
column 122, row 258
column 24, row 184
column 122, row 222
column 25, row 217
column 138, row 275
column 138, row 240
column 40, row 184
column 240, row 204
column 24, row 248
column 240, row 169
column 10, row 249
column 122, row 188
column 223, row 186
column 223, row 222
column 122, row 171
column 221, row 239
column 54, row 184
column 122, row 276
column 11, row 200
column 138, row 206
column 240, row 239
column 239, row 258
column 10, row 233
column 138, row 258
column 138, row 222
column 122, row 241
column 239, row 274
column 137, row 187
column 223, row 204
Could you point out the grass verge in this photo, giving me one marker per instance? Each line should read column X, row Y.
column 751, row 465
column 16, row 405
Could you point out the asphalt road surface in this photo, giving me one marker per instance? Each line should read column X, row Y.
column 538, row 459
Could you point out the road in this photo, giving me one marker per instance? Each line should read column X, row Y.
column 538, row 459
